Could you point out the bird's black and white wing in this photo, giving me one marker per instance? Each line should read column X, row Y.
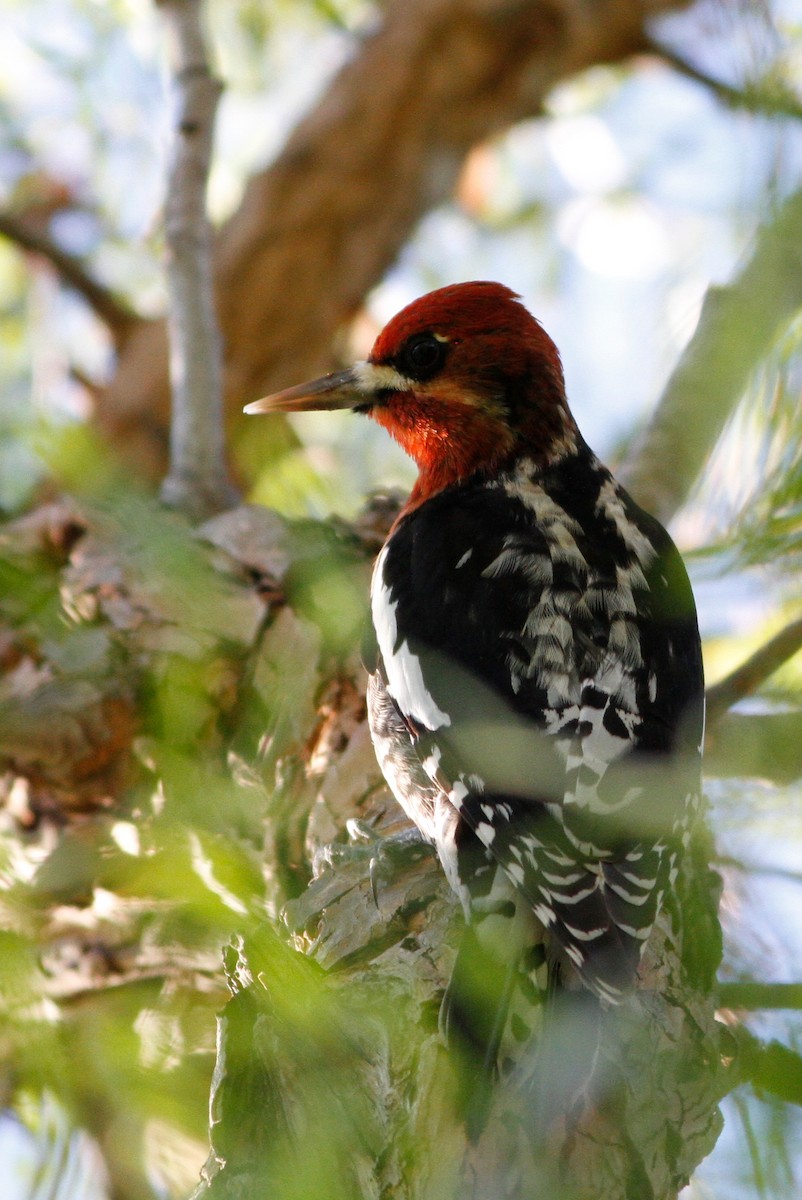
column 537, row 683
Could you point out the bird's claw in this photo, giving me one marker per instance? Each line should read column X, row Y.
column 361, row 831
column 373, row 875
column 387, row 852
column 393, row 851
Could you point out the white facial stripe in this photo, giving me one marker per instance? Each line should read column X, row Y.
column 375, row 377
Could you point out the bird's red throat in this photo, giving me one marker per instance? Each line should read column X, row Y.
column 450, row 439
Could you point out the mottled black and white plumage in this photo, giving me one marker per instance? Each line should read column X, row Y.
column 536, row 698
column 538, row 659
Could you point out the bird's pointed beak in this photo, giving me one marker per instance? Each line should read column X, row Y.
column 341, row 389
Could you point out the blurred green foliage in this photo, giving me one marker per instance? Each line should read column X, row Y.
column 118, row 891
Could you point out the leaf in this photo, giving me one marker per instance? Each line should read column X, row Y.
column 285, row 679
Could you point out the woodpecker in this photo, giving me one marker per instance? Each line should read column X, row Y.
column 536, row 699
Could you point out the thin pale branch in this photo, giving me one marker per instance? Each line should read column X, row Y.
column 769, row 98
column 197, row 481
column 746, row 679
column 758, row 869
column 737, row 327
column 74, row 274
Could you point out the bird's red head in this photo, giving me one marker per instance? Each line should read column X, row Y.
column 464, row 378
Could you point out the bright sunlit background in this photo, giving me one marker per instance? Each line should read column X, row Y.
column 611, row 218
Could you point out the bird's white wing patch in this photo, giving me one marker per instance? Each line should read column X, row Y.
column 402, row 667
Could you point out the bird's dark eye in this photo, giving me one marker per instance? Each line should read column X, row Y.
column 422, row 356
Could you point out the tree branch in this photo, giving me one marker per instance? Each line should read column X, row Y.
column 74, row 274
column 758, row 869
column 770, row 99
column 198, row 481
column 752, row 995
column 746, row 679
column 736, row 329
column 321, row 226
